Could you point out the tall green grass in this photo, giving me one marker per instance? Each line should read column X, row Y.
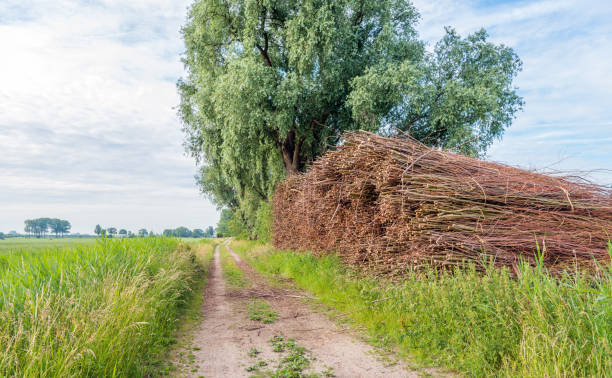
column 103, row 310
column 479, row 324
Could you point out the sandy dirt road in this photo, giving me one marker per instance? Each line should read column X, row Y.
column 225, row 337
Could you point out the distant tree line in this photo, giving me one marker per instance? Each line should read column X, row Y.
column 15, row 234
column 41, row 226
column 112, row 231
column 184, row 232
column 181, row 232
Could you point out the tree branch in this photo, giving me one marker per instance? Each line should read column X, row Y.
column 359, row 15
column 264, row 50
column 264, row 55
column 423, row 114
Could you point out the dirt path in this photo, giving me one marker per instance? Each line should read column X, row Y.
column 226, row 335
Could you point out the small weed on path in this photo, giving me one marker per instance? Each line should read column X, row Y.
column 256, row 366
column 294, row 361
column 253, row 352
column 260, row 310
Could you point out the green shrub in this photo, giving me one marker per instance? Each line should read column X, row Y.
column 263, row 223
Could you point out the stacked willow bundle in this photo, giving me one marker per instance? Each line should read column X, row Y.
column 393, row 203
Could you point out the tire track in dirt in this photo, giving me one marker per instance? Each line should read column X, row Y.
column 226, row 335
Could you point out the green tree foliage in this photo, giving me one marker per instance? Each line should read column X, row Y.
column 142, row 232
column 271, row 85
column 59, row 226
column 461, row 95
column 54, row 226
column 182, row 232
column 199, row 233
column 210, row 232
column 36, row 227
column 40, row 226
column 111, row 231
column 223, row 225
column 65, row 227
column 230, row 224
column 263, row 224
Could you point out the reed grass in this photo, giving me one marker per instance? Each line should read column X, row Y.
column 107, row 309
column 479, row 324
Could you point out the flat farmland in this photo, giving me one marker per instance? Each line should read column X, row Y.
column 34, row 244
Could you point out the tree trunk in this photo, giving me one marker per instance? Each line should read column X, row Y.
column 290, row 150
column 290, row 164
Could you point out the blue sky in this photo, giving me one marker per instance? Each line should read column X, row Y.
column 566, row 48
column 88, row 130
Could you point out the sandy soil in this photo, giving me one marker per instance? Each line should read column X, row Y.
column 226, row 334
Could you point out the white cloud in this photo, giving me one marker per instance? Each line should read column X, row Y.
column 566, row 80
column 87, row 125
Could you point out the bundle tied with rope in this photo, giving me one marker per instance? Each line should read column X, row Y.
column 391, row 204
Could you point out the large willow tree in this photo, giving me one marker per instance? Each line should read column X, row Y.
column 271, row 84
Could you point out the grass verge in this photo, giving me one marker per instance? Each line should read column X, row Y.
column 479, row 324
column 108, row 309
column 181, row 357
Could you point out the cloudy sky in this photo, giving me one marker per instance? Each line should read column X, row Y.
column 566, row 48
column 88, row 130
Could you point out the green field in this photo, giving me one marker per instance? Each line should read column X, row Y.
column 101, row 308
column 34, row 244
column 16, row 244
column 488, row 324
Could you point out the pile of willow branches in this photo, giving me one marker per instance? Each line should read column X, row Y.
column 389, row 204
